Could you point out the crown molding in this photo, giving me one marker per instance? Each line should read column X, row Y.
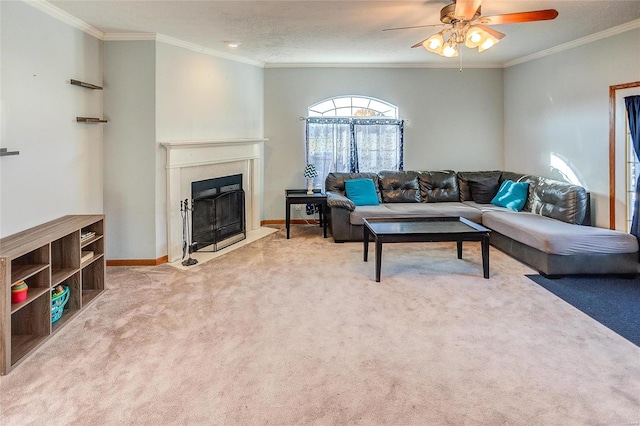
column 449, row 65
column 632, row 25
column 74, row 22
column 204, row 50
column 179, row 43
column 63, row 16
column 130, row 37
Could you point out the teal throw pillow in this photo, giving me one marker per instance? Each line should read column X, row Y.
column 362, row 192
column 512, row 195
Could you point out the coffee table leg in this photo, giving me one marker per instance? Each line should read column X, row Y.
column 485, row 256
column 365, row 232
column 459, row 244
column 288, row 217
column 378, row 257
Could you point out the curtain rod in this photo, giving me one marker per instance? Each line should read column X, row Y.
column 405, row 120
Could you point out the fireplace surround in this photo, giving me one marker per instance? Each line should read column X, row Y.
column 189, row 161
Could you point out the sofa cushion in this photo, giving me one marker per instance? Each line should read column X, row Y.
column 483, row 189
column 362, row 192
column 511, row 195
column 463, row 181
column 455, row 209
column 399, row 187
column 439, row 186
column 415, row 209
column 486, row 207
column 556, row 237
column 381, row 210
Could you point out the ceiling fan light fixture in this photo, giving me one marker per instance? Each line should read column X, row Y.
column 475, row 37
column 450, row 51
column 434, row 43
column 489, row 42
column 464, row 23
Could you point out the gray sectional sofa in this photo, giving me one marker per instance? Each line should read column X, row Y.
column 551, row 233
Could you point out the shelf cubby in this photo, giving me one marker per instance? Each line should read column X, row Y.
column 92, row 280
column 38, row 284
column 65, row 257
column 29, row 264
column 75, row 300
column 30, row 326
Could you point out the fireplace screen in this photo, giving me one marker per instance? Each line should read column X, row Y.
column 218, row 216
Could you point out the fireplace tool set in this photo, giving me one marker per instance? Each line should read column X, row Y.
column 187, row 246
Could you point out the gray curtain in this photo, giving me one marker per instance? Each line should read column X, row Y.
column 633, row 110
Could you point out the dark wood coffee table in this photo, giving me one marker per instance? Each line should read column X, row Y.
column 424, row 229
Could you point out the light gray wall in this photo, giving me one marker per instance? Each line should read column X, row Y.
column 130, row 151
column 455, row 119
column 205, row 97
column 560, row 104
column 59, row 170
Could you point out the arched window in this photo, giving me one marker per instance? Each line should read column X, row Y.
column 353, row 134
column 353, row 106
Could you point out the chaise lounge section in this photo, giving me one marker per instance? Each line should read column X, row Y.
column 551, row 232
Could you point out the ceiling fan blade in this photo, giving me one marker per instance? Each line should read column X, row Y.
column 420, row 43
column 514, row 18
column 466, row 9
column 416, row 26
column 496, row 34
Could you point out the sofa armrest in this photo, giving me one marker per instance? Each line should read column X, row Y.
column 335, row 199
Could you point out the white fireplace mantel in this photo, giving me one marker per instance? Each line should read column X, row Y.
column 206, row 153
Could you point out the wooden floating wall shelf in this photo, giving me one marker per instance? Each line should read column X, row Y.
column 86, row 85
column 4, row 152
column 90, row 120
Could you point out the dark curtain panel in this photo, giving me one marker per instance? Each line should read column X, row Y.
column 633, row 111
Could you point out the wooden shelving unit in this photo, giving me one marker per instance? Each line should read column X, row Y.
column 44, row 257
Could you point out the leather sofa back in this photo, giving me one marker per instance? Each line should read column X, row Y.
column 399, row 187
column 440, row 186
column 558, row 200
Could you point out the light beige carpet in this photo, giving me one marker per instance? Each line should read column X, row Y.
column 298, row 332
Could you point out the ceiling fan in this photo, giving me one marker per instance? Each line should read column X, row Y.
column 464, row 23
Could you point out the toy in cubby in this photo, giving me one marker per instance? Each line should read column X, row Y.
column 19, row 292
column 59, row 298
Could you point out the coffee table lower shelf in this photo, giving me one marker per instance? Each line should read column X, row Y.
column 424, row 229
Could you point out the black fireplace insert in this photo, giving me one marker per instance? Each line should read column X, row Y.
column 218, row 212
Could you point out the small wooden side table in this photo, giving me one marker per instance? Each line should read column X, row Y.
column 300, row 196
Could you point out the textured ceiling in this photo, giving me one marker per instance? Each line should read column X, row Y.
column 345, row 32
